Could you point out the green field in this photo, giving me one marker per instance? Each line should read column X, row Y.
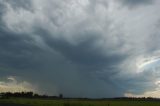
column 45, row 102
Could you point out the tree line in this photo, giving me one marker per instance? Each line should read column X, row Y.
column 35, row 95
column 27, row 95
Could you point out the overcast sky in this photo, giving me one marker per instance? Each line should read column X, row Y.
column 81, row 48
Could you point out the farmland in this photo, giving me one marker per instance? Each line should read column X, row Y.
column 74, row 102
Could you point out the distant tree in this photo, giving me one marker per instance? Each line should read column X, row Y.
column 29, row 94
column 61, row 96
column 36, row 95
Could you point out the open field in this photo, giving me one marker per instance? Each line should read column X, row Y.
column 46, row 102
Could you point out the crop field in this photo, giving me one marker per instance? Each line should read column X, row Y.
column 47, row 102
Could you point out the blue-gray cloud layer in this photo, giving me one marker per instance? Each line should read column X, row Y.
column 87, row 48
column 137, row 2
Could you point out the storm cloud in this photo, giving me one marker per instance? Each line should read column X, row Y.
column 81, row 48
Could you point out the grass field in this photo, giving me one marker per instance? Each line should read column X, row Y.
column 45, row 102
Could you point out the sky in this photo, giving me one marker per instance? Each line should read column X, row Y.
column 80, row 48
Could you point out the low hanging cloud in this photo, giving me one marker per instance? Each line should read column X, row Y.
column 12, row 85
column 81, row 48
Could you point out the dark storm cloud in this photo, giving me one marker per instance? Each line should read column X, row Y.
column 15, row 50
column 87, row 59
column 80, row 48
column 20, row 53
column 85, row 53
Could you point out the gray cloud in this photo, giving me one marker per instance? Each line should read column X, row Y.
column 80, row 48
column 133, row 3
column 19, row 4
